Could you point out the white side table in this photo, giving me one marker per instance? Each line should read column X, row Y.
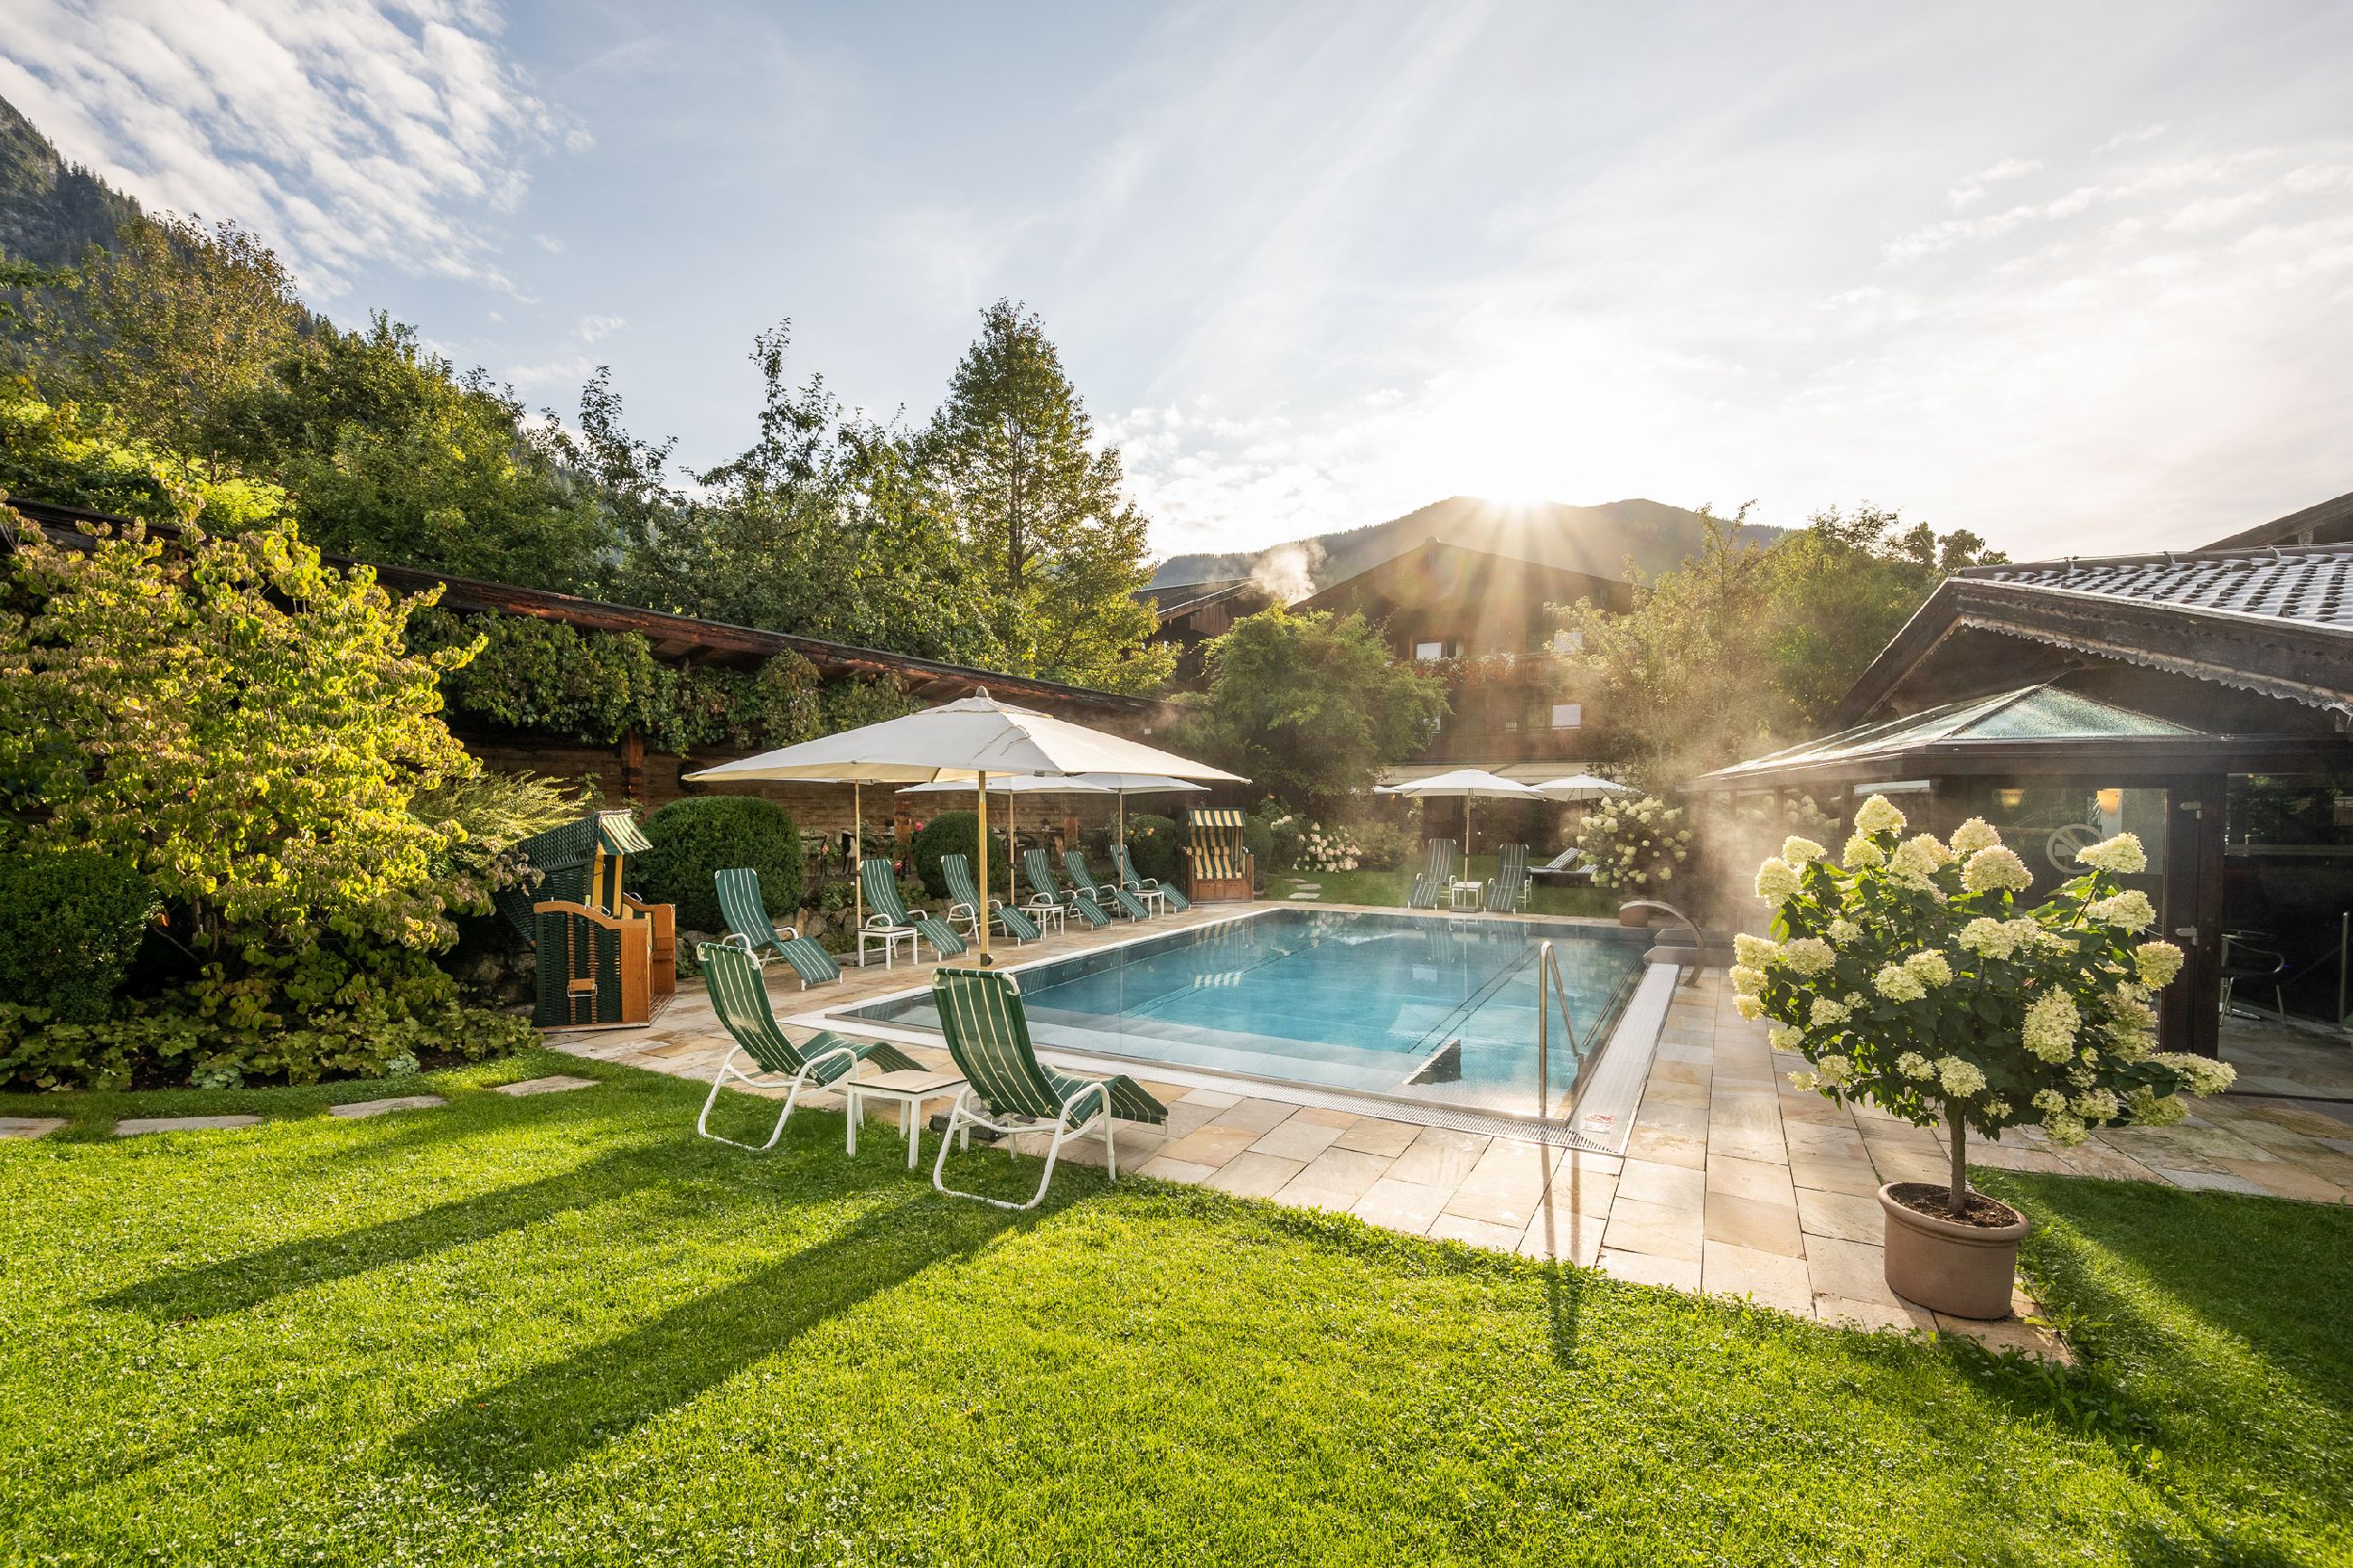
column 1463, row 894
column 890, row 936
column 1045, row 914
column 910, row 1089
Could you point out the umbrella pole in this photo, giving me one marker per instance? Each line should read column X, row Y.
column 857, row 866
column 980, row 916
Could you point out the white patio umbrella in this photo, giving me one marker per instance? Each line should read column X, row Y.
column 1580, row 786
column 1017, row 784
column 1126, row 784
column 1467, row 784
column 969, row 739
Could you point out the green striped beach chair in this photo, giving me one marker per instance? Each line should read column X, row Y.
column 889, row 921
column 1507, row 889
column 957, row 869
column 1092, row 891
column 1045, row 893
column 1009, row 1091
column 1437, row 876
column 1145, row 887
column 750, row 928
column 739, row 999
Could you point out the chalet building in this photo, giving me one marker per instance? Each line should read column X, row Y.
column 2201, row 700
column 1192, row 613
column 1484, row 622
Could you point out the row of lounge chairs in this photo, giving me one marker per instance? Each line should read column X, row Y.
column 1505, row 891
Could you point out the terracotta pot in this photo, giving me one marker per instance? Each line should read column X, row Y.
column 1963, row 1269
column 1634, row 917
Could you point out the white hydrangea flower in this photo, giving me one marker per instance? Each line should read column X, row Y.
column 1747, row 981
column 1844, row 933
column 2202, row 1075
column 1997, row 869
column 2129, row 909
column 2159, row 1110
column 1798, row 851
column 1861, row 852
column 1665, row 873
column 1835, row 1070
column 2122, row 856
column 1932, row 967
column 1756, row 952
column 2158, row 963
column 2097, row 1105
column 1897, row 983
column 1921, row 852
column 1784, row 1038
column 2064, row 1131
column 2051, row 1022
column 1877, row 816
column 1828, row 1013
column 2050, row 1102
column 2135, row 1046
column 1998, row 1110
column 1912, row 1064
column 1974, row 835
column 1805, row 1081
column 1776, row 880
column 1959, row 1078
column 1989, row 937
column 1809, row 955
column 1749, row 1008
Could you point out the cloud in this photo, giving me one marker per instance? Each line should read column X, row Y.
column 343, row 131
column 1972, row 189
column 593, row 328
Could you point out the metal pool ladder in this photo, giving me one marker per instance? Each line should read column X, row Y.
column 1549, row 966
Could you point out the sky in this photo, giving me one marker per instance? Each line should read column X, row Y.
column 2078, row 278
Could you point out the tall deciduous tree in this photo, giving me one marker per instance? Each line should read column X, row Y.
column 1310, row 707
column 1012, row 457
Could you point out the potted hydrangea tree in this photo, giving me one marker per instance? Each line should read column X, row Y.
column 1635, row 846
column 1906, row 974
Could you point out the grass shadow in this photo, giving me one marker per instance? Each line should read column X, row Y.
column 553, row 1414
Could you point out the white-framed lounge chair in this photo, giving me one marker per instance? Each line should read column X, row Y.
column 1010, row 1092
column 1100, row 893
column 1149, row 889
column 1570, row 867
column 739, row 999
column 957, row 869
column 750, row 928
column 889, row 921
column 1507, row 890
column 1436, row 880
column 1044, row 891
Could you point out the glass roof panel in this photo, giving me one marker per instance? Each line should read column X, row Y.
column 2047, row 712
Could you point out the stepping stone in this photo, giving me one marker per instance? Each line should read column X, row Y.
column 135, row 1125
column 377, row 1108
column 555, row 1085
column 29, row 1127
column 1310, row 898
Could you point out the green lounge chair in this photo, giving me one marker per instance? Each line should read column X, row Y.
column 1009, row 1091
column 1437, row 877
column 1507, row 889
column 750, row 928
column 957, row 869
column 888, row 920
column 1045, row 893
column 1092, row 891
column 739, row 999
column 1145, row 887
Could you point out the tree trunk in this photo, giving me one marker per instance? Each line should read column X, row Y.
column 1958, row 1199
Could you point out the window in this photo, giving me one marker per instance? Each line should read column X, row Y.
column 1568, row 642
column 1430, row 650
column 1568, row 715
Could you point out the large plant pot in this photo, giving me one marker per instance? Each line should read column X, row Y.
column 1637, row 918
column 1963, row 1270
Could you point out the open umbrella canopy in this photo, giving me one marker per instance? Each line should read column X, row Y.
column 1015, row 784
column 961, row 740
column 1469, row 783
column 1582, row 786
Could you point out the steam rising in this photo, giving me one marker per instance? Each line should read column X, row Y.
column 1287, row 572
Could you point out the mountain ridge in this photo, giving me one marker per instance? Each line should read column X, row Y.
column 1600, row 540
column 51, row 211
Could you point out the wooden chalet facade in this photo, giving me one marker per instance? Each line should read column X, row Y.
column 2200, row 700
column 1192, row 613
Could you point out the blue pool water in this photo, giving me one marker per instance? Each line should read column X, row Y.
column 1427, row 1006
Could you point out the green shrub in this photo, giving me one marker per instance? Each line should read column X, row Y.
column 1258, row 832
column 954, row 833
column 1157, row 847
column 70, row 924
column 701, row 834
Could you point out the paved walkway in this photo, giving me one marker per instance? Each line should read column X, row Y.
column 1732, row 1182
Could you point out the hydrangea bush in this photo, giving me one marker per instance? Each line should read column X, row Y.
column 1906, row 974
column 1634, row 845
column 1327, row 849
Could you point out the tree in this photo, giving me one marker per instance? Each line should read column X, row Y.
column 171, row 330
column 1011, row 456
column 1309, row 706
column 59, row 452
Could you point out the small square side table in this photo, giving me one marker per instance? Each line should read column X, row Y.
column 910, row 1089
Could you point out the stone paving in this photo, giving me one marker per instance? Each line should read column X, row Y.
column 361, row 1109
column 1732, row 1180
column 134, row 1126
column 29, row 1127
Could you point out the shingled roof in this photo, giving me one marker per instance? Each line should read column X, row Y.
column 2313, row 585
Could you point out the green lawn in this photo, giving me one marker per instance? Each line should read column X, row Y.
column 562, row 1329
column 1388, row 888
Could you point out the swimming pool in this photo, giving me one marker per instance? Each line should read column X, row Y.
column 1426, row 1007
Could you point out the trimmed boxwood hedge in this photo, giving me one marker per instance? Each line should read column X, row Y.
column 701, row 834
column 954, row 833
column 71, row 921
column 1158, row 846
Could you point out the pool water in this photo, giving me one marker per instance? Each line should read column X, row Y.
column 1429, row 1007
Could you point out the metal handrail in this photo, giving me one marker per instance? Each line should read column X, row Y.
column 1690, row 972
column 1548, row 965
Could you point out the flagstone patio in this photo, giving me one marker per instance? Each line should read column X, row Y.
column 1732, row 1182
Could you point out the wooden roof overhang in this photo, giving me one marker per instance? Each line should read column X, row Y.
column 679, row 638
column 2261, row 654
